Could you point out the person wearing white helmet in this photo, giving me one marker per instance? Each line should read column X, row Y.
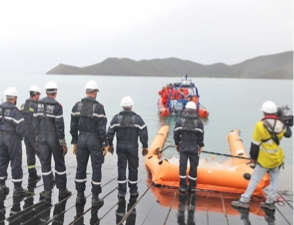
column 27, row 110
column 189, row 140
column 88, row 131
column 266, row 155
column 11, row 134
column 128, row 127
column 48, row 125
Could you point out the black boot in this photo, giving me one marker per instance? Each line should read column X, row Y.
column 4, row 190
column 64, row 193
column 48, row 197
column 81, row 199
column 18, row 190
column 96, row 201
column 33, row 176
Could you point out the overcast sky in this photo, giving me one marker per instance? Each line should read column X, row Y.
column 36, row 36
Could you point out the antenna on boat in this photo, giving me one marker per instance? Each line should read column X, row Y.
column 186, row 76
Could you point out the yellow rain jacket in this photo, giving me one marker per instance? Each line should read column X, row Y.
column 270, row 154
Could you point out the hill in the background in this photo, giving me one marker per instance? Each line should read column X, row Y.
column 277, row 66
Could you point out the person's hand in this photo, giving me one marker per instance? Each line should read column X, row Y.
column 200, row 150
column 252, row 163
column 177, row 148
column 110, row 149
column 144, row 151
column 74, row 149
column 105, row 150
column 64, row 150
column 158, row 152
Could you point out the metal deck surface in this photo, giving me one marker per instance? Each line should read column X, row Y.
column 155, row 205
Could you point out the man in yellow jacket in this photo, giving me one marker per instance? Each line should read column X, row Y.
column 267, row 154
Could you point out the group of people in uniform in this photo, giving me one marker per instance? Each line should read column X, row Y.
column 39, row 122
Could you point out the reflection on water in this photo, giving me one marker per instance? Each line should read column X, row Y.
column 244, row 213
column 122, row 210
column 187, row 203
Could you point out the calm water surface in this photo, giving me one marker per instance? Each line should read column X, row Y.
column 232, row 103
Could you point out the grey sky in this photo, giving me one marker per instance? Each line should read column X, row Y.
column 37, row 35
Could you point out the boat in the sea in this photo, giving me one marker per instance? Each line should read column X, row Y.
column 175, row 96
column 231, row 176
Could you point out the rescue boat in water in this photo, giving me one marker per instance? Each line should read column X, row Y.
column 175, row 96
column 231, row 176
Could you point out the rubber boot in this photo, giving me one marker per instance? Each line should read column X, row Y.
column 4, row 190
column 96, row 201
column 33, row 176
column 48, row 197
column 81, row 199
column 64, row 193
column 18, row 190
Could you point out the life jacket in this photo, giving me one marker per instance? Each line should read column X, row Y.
column 126, row 119
column 6, row 109
column 47, row 110
column 189, row 123
column 27, row 109
column 271, row 130
column 87, row 108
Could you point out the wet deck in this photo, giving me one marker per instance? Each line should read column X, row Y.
column 155, row 205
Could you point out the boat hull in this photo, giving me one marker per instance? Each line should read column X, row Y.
column 224, row 180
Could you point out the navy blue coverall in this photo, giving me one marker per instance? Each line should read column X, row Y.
column 27, row 110
column 189, row 135
column 88, row 131
column 128, row 126
column 11, row 135
column 49, row 129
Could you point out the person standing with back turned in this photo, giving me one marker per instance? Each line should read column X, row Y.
column 88, row 131
column 27, row 111
column 11, row 135
column 50, row 139
column 189, row 140
column 128, row 126
column 266, row 153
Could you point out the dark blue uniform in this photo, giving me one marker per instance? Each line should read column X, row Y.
column 88, row 130
column 49, row 128
column 189, row 134
column 128, row 126
column 11, row 135
column 27, row 110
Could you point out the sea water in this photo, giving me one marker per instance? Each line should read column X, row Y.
column 232, row 103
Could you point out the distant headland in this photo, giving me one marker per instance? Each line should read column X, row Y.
column 276, row 66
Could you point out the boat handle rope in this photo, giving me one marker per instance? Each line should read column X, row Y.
column 215, row 153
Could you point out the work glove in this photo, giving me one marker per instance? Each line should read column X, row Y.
column 74, row 149
column 105, row 150
column 110, row 149
column 36, row 145
column 62, row 143
column 177, row 148
column 144, row 151
column 199, row 150
column 252, row 163
column 158, row 153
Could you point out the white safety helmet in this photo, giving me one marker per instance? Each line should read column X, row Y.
column 127, row 101
column 191, row 106
column 35, row 89
column 91, row 86
column 51, row 87
column 10, row 92
column 269, row 107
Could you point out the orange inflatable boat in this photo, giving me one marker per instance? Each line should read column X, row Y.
column 231, row 176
